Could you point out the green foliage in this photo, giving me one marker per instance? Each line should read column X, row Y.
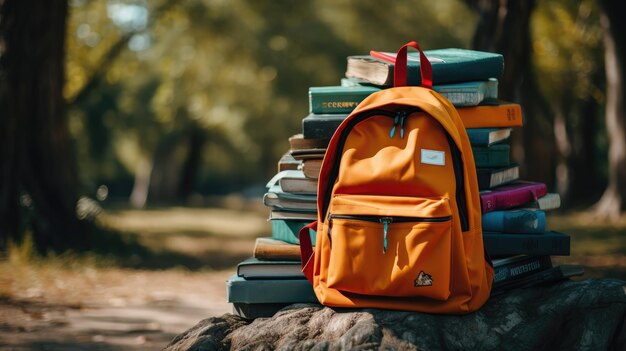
column 238, row 71
column 231, row 77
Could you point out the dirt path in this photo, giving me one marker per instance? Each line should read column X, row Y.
column 91, row 303
column 128, row 310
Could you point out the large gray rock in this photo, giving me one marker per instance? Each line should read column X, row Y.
column 587, row 315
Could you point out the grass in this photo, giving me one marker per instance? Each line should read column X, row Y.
column 208, row 239
column 596, row 244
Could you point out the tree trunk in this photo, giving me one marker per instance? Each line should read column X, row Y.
column 504, row 27
column 38, row 192
column 613, row 201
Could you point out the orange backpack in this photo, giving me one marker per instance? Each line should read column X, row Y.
column 398, row 206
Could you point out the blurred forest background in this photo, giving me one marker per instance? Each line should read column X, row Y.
column 144, row 103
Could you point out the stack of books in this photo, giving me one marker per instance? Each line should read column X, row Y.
column 514, row 224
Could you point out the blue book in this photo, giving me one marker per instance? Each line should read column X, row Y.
column 515, row 221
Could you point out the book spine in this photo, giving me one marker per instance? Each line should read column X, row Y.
column 496, row 116
column 520, row 269
column 517, row 221
column 498, row 244
column 333, row 104
column 494, row 156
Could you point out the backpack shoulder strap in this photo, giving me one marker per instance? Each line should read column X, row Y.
column 307, row 255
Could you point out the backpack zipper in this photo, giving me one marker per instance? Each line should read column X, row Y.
column 386, row 220
column 456, row 159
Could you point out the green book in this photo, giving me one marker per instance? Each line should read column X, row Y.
column 460, row 94
column 496, row 155
column 240, row 290
column 321, row 126
column 287, row 230
column 488, row 136
column 492, row 177
column 504, row 244
column 253, row 268
column 469, row 93
column 448, row 66
column 337, row 99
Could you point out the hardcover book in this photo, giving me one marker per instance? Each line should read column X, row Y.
column 515, row 221
column 321, row 126
column 498, row 114
column 277, row 199
column 492, row 177
column 549, row 275
column 337, row 99
column 512, row 195
column 275, row 250
column 253, row 268
column 548, row 243
column 549, row 201
column 488, row 136
column 469, row 93
column 519, row 266
column 305, row 154
column 287, row 162
column 492, row 156
column 240, row 290
column 287, row 231
column 299, row 142
column 311, row 168
column 448, row 65
column 459, row 94
column 293, row 181
column 293, row 215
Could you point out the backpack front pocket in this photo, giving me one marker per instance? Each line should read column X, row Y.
column 393, row 246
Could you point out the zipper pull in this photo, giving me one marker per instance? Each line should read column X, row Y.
column 402, row 118
column 385, row 221
column 395, row 122
column 330, row 227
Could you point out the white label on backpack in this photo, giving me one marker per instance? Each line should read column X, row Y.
column 433, row 157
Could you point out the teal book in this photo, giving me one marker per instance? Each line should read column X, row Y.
column 469, row 93
column 515, row 221
column 240, row 290
column 321, row 126
column 459, row 94
column 448, row 65
column 504, row 244
column 492, row 177
column 287, row 230
column 488, row 136
column 496, row 155
column 253, row 268
column 337, row 99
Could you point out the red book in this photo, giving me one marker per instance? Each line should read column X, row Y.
column 511, row 195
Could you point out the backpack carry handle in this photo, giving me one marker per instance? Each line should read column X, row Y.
column 400, row 70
